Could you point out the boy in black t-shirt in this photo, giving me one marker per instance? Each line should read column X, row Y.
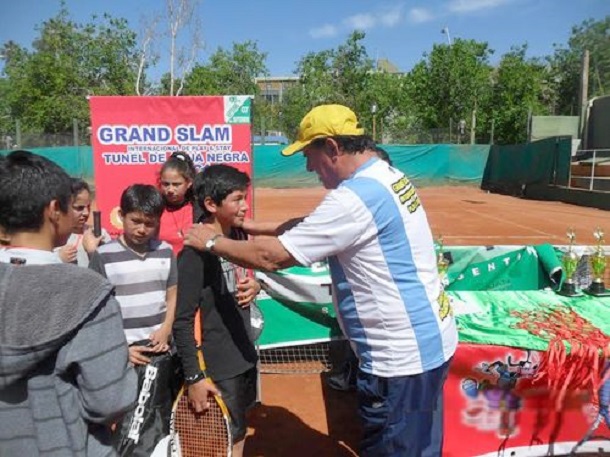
column 224, row 293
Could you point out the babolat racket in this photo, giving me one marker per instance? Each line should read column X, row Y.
column 206, row 434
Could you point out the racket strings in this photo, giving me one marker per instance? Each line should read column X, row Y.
column 201, row 435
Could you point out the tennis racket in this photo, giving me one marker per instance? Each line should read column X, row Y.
column 257, row 319
column 206, row 434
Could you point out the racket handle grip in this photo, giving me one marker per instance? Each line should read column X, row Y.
column 97, row 223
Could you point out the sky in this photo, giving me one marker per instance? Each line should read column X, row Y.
column 399, row 30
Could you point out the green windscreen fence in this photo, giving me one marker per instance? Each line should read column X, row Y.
column 512, row 169
column 76, row 160
column 425, row 165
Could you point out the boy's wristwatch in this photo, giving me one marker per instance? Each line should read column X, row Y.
column 209, row 244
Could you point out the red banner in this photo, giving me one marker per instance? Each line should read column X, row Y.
column 493, row 407
column 133, row 136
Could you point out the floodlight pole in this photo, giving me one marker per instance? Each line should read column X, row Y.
column 446, row 32
column 374, row 111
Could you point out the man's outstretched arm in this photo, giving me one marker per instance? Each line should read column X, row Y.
column 255, row 228
column 261, row 254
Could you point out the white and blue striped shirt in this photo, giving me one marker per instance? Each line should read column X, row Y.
column 375, row 233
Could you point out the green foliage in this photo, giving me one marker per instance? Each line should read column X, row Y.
column 566, row 63
column 228, row 72
column 45, row 87
column 69, row 61
column 450, row 83
column 339, row 75
column 518, row 90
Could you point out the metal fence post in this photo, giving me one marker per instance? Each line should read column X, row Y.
column 18, row 133
column 592, row 171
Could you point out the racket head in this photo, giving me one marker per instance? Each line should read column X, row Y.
column 195, row 434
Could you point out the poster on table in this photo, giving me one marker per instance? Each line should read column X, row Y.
column 496, row 407
column 133, row 136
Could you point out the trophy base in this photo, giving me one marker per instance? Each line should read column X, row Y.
column 569, row 290
column 597, row 289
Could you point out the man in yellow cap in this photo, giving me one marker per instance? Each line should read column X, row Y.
column 373, row 230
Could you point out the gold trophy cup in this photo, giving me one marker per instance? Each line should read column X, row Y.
column 569, row 261
column 598, row 266
column 442, row 262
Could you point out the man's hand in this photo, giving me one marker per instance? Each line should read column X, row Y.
column 198, row 394
column 247, row 290
column 198, row 235
column 67, row 253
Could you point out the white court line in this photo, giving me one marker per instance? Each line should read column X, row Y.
column 491, row 237
column 504, row 221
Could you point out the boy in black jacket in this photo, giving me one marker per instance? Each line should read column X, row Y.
column 224, row 293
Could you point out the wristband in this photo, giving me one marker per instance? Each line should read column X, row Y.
column 194, row 379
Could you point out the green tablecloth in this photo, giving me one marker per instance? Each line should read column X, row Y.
column 496, row 321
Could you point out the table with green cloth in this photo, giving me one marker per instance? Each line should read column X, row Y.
column 511, row 384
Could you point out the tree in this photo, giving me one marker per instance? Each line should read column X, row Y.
column 234, row 72
column 566, row 64
column 330, row 76
column 518, row 90
column 228, row 72
column 386, row 94
column 48, row 86
column 450, row 83
column 181, row 15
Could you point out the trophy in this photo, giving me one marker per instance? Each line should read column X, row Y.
column 569, row 261
column 442, row 262
column 598, row 265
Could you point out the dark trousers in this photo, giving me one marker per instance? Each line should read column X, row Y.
column 402, row 416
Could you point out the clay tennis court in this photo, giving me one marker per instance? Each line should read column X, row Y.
column 300, row 415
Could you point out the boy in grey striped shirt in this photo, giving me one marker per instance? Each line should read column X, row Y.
column 143, row 271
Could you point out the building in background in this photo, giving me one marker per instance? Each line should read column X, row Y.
column 273, row 87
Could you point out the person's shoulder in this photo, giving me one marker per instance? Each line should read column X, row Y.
column 64, row 273
column 160, row 246
column 188, row 253
column 110, row 246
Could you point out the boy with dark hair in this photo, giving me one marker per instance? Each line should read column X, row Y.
column 35, row 199
column 143, row 271
column 64, row 372
column 224, row 293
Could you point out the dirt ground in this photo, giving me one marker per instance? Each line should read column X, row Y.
column 300, row 415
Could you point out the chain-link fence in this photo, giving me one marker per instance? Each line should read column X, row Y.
column 20, row 137
column 443, row 135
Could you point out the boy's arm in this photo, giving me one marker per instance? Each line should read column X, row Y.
column 170, row 316
column 96, row 264
column 190, row 272
column 162, row 335
column 106, row 382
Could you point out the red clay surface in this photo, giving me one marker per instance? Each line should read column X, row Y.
column 300, row 415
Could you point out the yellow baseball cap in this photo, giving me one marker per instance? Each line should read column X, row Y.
column 323, row 121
